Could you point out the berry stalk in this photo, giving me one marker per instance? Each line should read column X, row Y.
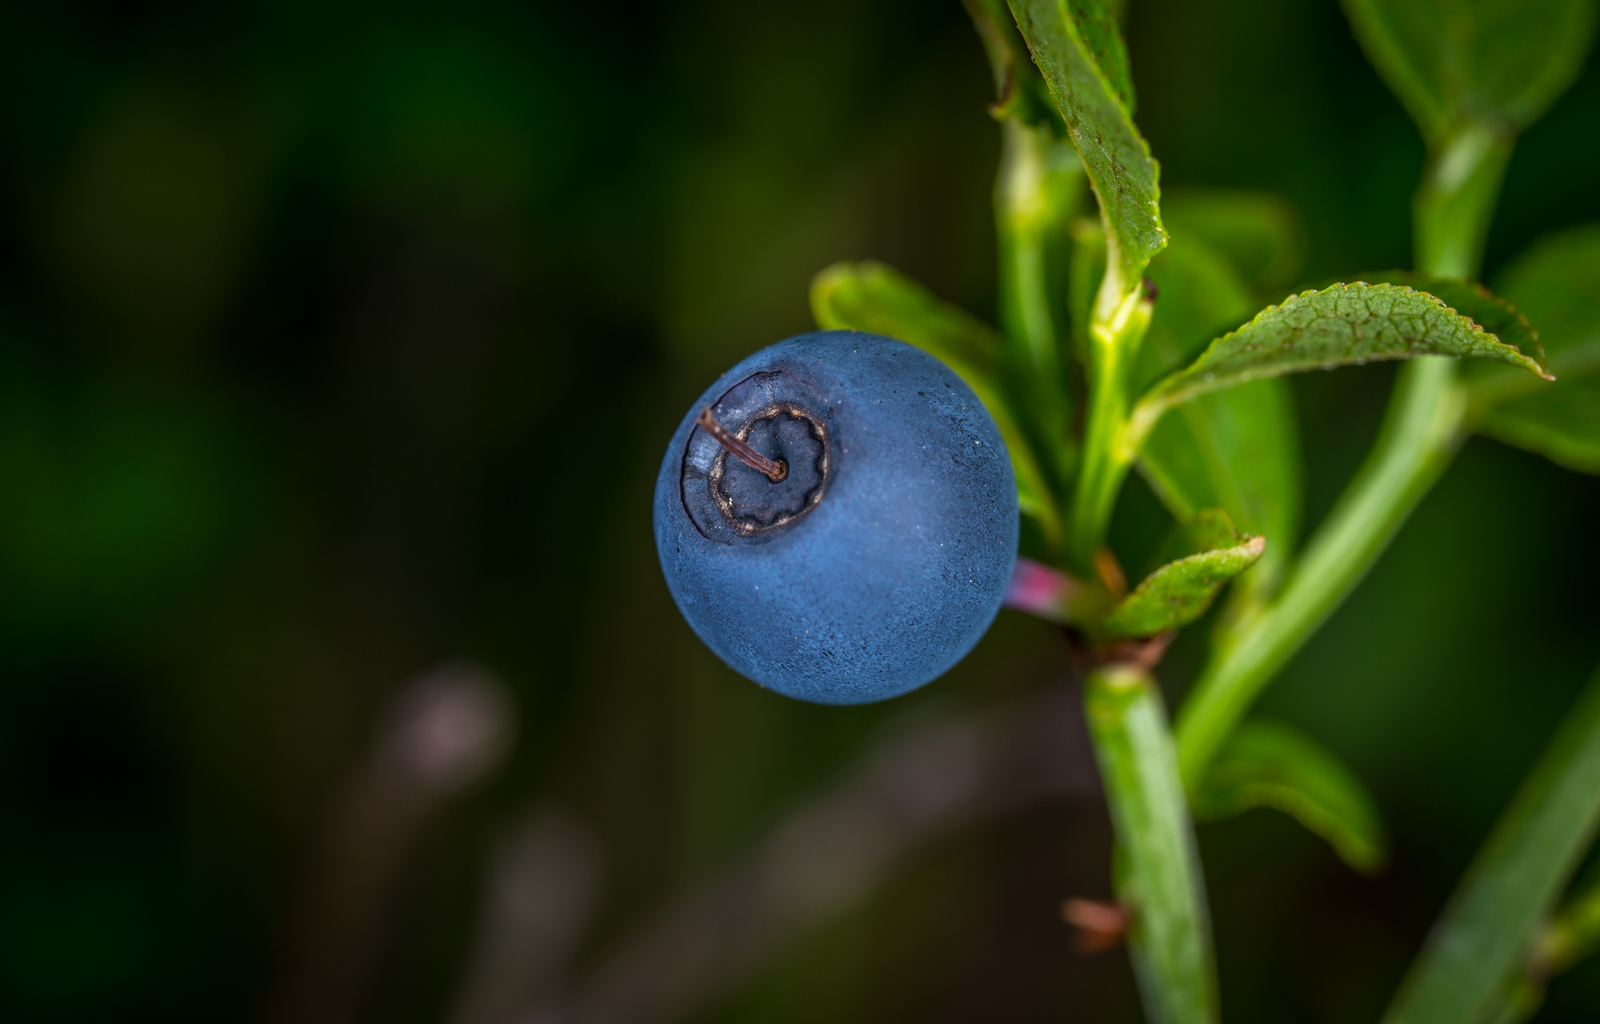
column 736, row 446
column 1425, row 424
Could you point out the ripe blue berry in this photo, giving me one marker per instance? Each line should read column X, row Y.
column 863, row 547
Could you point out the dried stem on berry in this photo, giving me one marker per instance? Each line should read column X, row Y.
column 774, row 471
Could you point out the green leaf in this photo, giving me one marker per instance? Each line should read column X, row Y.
column 1159, row 877
column 876, row 298
column 1480, row 944
column 1484, row 61
column 1098, row 24
column 1556, row 284
column 1337, row 326
column 1068, row 43
column 1038, row 192
column 1199, row 295
column 1180, row 592
column 1563, row 424
column 1237, row 450
column 1473, row 73
column 1267, row 764
column 1494, row 313
column 1211, row 529
column 1259, row 233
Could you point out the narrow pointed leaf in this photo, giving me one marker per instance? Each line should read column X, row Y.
column 1556, row 284
column 1267, row 764
column 1180, row 592
column 1337, row 326
column 1486, row 61
column 1478, row 948
column 876, row 298
column 1068, row 41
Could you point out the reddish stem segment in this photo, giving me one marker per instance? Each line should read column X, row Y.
column 774, row 471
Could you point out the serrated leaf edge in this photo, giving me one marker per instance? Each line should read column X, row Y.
column 1157, row 400
column 1250, row 548
column 1075, row 37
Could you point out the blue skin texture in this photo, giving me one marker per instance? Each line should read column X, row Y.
column 895, row 572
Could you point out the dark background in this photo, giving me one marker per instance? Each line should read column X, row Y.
column 338, row 340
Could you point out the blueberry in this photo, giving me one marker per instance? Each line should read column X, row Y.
column 862, row 544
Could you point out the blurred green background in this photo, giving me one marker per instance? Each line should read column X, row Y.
column 340, row 340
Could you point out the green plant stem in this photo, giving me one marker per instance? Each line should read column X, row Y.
column 1159, row 878
column 1480, row 947
column 1115, row 333
column 1423, row 428
column 1572, row 936
column 1456, row 199
column 1420, row 433
column 1038, row 192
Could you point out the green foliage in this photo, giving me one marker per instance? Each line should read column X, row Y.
column 873, row 297
column 1258, row 232
column 1487, row 61
column 1472, row 73
column 1095, row 108
column 1159, row 877
column 1563, row 425
column 1556, row 284
column 1238, row 449
column 1088, row 266
column 1268, row 764
column 1210, row 529
column 1491, row 312
column 1038, row 193
column 1200, row 295
column 1572, row 936
column 1479, row 945
column 1097, row 24
column 1339, row 325
column 1180, row 592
